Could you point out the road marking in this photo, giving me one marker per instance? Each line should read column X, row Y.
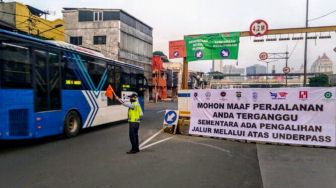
column 214, row 147
column 210, row 146
column 160, row 111
column 150, row 138
column 158, row 142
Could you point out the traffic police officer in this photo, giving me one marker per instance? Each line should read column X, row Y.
column 134, row 115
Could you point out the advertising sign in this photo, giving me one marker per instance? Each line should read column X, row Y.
column 284, row 115
column 177, row 49
column 212, row 46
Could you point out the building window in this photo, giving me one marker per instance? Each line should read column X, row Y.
column 76, row 40
column 111, row 15
column 84, row 16
column 99, row 39
column 97, row 16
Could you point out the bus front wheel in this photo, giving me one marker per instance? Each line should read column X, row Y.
column 72, row 124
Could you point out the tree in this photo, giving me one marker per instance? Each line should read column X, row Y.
column 216, row 75
column 319, row 81
column 163, row 56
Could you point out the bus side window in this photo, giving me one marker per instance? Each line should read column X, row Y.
column 15, row 66
column 117, row 86
column 96, row 69
column 141, row 87
column 114, row 78
column 70, row 80
column 133, row 77
column 54, row 81
column 111, row 81
column 140, row 80
column 126, row 81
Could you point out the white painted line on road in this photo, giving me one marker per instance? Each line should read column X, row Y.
column 160, row 111
column 158, row 142
column 210, row 146
column 214, row 147
column 150, row 138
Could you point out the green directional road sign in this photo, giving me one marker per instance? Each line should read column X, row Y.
column 212, row 46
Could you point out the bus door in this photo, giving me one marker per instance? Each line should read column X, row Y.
column 47, row 79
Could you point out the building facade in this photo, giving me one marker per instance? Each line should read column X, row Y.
column 256, row 69
column 217, row 65
column 231, row 69
column 322, row 65
column 113, row 32
column 28, row 20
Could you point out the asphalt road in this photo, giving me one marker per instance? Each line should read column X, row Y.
column 97, row 158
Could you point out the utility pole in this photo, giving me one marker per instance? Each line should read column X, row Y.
column 305, row 49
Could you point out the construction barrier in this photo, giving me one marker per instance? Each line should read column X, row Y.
column 184, row 107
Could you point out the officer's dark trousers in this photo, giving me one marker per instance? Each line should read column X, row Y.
column 133, row 135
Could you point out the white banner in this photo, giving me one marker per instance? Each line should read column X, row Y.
column 283, row 115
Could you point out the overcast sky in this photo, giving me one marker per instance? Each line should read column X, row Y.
column 172, row 19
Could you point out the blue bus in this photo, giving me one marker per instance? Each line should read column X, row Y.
column 49, row 88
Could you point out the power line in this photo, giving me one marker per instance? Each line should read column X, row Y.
column 85, row 44
column 291, row 53
column 14, row 14
column 317, row 18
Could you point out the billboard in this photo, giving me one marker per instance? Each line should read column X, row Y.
column 177, row 49
column 212, row 46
